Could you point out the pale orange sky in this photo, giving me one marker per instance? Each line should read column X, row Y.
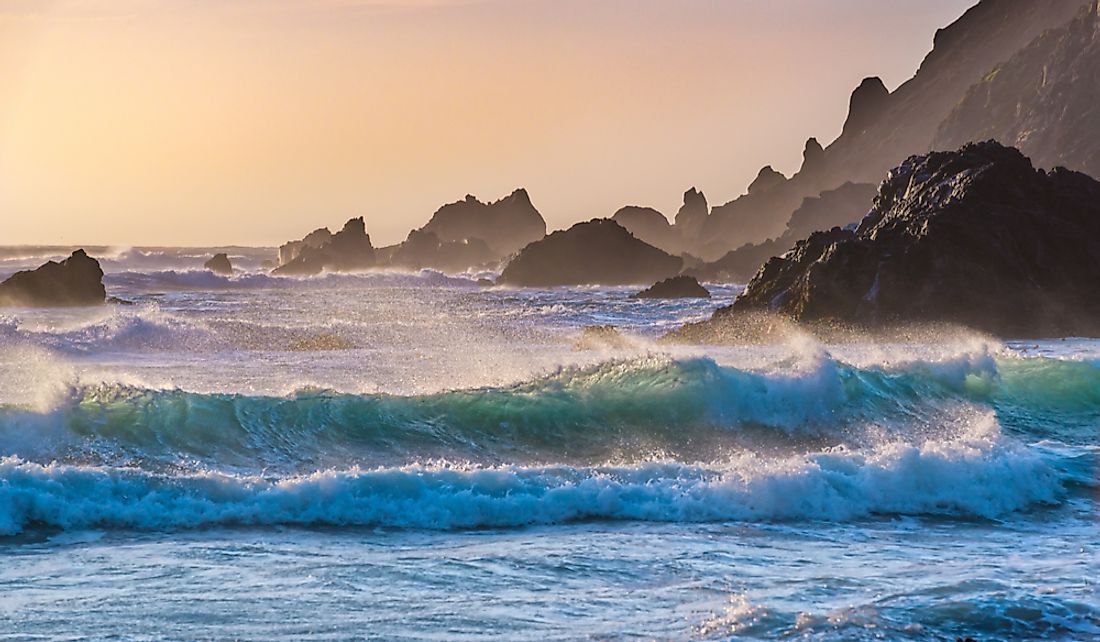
column 191, row 122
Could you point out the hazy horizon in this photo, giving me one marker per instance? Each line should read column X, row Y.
column 144, row 122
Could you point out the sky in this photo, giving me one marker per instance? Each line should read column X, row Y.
column 217, row 122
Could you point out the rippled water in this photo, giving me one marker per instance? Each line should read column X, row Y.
column 412, row 456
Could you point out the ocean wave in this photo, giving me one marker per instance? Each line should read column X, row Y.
column 615, row 410
column 980, row 475
column 110, row 330
column 205, row 280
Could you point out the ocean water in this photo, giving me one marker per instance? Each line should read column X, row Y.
column 416, row 457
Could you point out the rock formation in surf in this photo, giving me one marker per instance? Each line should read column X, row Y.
column 348, row 250
column 506, row 226
column 1044, row 100
column 219, row 264
column 423, row 249
column 840, row 207
column 677, row 287
column 884, row 128
column 75, row 281
column 976, row 236
column 650, row 226
column 597, row 252
column 692, row 216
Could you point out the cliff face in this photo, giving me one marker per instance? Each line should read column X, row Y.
column 884, row 128
column 599, row 252
column 977, row 236
column 1045, row 100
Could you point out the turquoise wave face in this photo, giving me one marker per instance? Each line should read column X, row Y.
column 694, row 410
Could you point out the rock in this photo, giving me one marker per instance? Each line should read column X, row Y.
column 767, row 179
column 1043, row 100
column 598, row 252
column 423, row 249
column 650, row 226
column 692, row 216
column 884, row 131
column 485, row 283
column 976, row 237
column 846, row 205
column 348, row 250
column 506, row 226
column 868, row 101
column 76, row 281
column 677, row 287
column 219, row 264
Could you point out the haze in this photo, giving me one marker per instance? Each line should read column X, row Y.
column 197, row 122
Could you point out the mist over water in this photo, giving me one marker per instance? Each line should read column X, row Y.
column 369, row 442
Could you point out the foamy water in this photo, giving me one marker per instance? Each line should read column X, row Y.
column 413, row 456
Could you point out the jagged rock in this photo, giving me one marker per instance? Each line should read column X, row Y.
column 986, row 35
column 348, row 250
column 692, row 216
column 1044, row 100
column 650, row 226
column 843, row 206
column 813, row 156
column 219, row 264
column 677, row 287
column 423, row 249
column 976, row 237
column 506, row 226
column 867, row 102
column 76, row 281
column 598, row 252
column 290, row 250
column 766, row 179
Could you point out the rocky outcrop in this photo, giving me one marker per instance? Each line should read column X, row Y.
column 976, row 237
column 348, row 250
column 76, row 281
column 506, row 226
column 677, row 287
column 692, row 216
column 598, row 252
column 219, row 264
column 650, row 226
column 423, row 249
column 765, row 180
column 882, row 130
column 1045, row 100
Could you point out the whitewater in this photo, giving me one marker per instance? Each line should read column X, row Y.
column 417, row 456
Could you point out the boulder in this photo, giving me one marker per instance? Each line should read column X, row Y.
column 976, row 237
column 76, row 281
column 348, row 250
column 597, row 252
column 677, row 287
column 219, row 264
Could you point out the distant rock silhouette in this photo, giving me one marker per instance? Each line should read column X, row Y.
column 677, row 287
column 423, row 249
column 843, row 206
column 219, row 264
column 883, row 129
column 765, row 180
column 977, row 237
column 506, row 226
column 76, row 281
column 1043, row 100
column 650, row 226
column 598, row 252
column 692, row 216
column 348, row 250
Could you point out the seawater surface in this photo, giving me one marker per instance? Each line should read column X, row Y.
column 413, row 456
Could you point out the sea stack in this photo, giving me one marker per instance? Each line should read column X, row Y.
column 76, row 281
column 976, row 237
column 219, row 264
column 677, row 287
